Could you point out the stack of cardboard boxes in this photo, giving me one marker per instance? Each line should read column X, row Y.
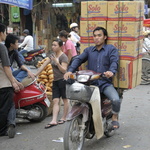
column 93, row 14
column 124, row 23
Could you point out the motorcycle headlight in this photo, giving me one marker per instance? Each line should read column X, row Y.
column 83, row 78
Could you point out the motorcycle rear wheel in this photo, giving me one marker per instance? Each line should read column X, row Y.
column 74, row 136
column 43, row 110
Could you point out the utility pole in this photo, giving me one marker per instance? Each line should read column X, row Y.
column 2, row 13
column 10, row 23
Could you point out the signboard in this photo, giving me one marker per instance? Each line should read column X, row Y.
column 27, row 4
column 15, row 14
column 9, row 30
column 76, row 1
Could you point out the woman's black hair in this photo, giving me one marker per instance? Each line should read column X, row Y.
column 2, row 27
column 63, row 33
column 59, row 41
column 10, row 39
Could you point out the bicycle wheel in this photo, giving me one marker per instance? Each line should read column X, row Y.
column 145, row 70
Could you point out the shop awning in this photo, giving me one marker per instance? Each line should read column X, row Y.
column 146, row 22
column 27, row 4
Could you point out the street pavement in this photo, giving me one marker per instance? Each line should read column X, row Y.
column 133, row 134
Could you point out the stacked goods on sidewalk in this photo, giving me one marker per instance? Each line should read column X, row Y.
column 93, row 14
column 124, row 23
column 46, row 77
column 125, row 30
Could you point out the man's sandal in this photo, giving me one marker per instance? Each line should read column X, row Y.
column 115, row 125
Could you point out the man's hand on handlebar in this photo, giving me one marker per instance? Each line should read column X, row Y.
column 67, row 75
column 108, row 74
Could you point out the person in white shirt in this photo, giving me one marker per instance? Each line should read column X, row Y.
column 146, row 42
column 27, row 44
column 74, row 37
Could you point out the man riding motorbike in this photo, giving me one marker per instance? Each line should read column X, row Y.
column 27, row 44
column 101, row 58
column 74, row 37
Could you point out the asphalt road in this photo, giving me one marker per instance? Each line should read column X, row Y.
column 133, row 134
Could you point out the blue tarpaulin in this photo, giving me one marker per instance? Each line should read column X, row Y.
column 27, row 4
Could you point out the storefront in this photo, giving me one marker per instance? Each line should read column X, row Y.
column 49, row 18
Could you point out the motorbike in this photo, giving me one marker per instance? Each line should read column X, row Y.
column 32, row 57
column 31, row 103
column 91, row 112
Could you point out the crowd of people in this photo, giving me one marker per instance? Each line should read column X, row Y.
column 101, row 58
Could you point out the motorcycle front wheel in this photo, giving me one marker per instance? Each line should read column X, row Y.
column 74, row 136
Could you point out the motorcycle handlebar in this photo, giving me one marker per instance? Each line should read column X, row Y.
column 102, row 75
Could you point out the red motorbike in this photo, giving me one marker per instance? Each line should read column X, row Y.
column 31, row 103
column 32, row 57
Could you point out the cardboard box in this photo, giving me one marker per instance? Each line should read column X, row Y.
column 46, row 43
column 87, row 27
column 41, row 25
column 125, row 10
column 129, row 74
column 39, row 33
column 94, row 10
column 39, row 40
column 127, row 48
column 87, row 40
column 85, row 45
column 125, row 30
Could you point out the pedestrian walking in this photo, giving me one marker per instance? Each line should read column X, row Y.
column 59, row 62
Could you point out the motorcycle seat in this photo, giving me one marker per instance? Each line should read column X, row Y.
column 35, row 50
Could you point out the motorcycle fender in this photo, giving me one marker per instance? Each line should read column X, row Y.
column 42, row 102
column 97, row 116
column 79, row 109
